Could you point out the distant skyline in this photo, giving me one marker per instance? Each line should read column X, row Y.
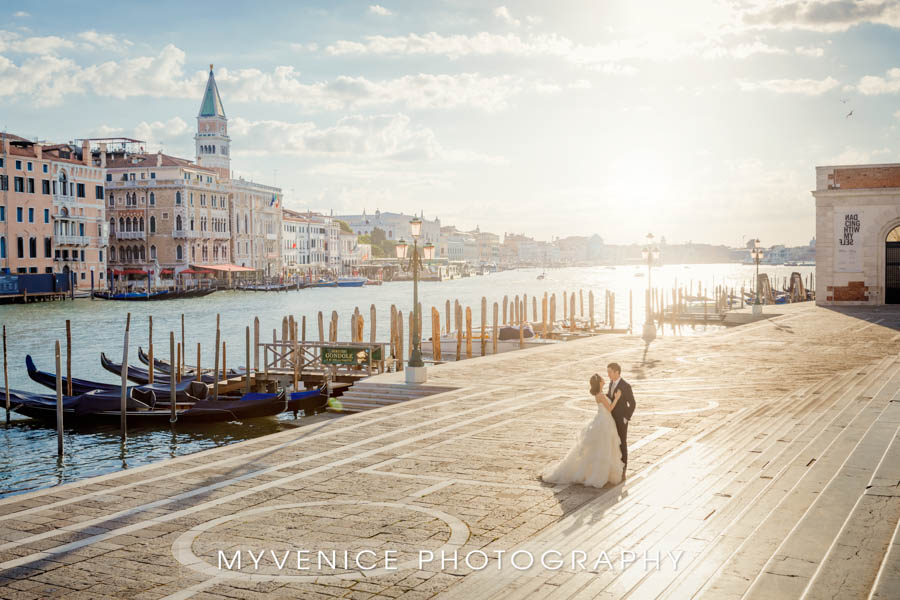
column 696, row 120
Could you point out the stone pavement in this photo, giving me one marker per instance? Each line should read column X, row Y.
column 764, row 462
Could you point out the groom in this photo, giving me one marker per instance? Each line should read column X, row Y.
column 624, row 408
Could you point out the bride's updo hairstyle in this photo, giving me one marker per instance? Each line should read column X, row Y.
column 595, row 384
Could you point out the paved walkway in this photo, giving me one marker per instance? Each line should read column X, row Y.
column 763, row 461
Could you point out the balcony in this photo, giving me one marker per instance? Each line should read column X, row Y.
column 71, row 240
column 137, row 183
column 130, row 235
column 185, row 233
column 221, row 235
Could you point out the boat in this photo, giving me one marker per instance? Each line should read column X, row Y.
column 351, row 281
column 309, row 401
column 163, row 368
column 542, row 275
column 103, row 407
column 373, row 282
column 158, row 295
column 186, row 390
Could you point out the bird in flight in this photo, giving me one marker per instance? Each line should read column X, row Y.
column 844, row 101
column 849, row 114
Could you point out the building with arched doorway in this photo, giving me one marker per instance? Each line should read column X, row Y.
column 858, row 234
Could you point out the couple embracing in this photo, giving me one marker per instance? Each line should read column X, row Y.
column 600, row 453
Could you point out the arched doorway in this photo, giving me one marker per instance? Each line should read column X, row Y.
column 892, row 267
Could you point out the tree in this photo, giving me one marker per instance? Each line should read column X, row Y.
column 378, row 237
column 344, row 227
column 365, row 239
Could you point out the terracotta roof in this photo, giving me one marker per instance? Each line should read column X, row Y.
column 138, row 160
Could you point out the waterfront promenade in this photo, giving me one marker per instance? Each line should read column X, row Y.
column 765, row 458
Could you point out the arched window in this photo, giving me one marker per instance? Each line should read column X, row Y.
column 63, row 184
column 246, row 229
column 179, row 254
column 141, row 224
column 20, row 247
column 177, row 197
column 32, row 248
column 48, row 247
column 112, row 254
column 192, row 224
column 128, row 224
column 152, row 224
column 213, row 149
column 152, row 252
column 152, row 199
column 121, row 224
column 112, row 225
column 143, row 253
column 126, row 253
column 178, row 223
column 2, row 247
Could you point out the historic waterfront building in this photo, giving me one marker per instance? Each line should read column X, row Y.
column 165, row 214
column 395, row 226
column 51, row 209
column 308, row 244
column 857, row 234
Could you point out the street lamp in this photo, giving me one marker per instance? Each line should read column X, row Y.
column 757, row 255
column 415, row 373
column 649, row 253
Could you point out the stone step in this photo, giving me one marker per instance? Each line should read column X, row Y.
column 827, row 493
column 688, row 517
column 629, row 509
column 851, row 563
column 631, row 513
column 751, row 504
column 697, row 509
column 749, row 542
column 887, row 582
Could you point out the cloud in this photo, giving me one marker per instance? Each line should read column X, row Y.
column 807, row 87
column 387, row 137
column 48, row 79
column 659, row 47
column 502, row 13
column 856, row 156
column 810, row 51
column 824, row 15
column 871, row 85
column 21, row 14
column 14, row 42
column 377, row 9
column 580, row 84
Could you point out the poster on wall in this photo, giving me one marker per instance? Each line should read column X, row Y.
column 849, row 231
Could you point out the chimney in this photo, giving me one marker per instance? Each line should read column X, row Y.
column 86, row 152
column 5, row 144
column 159, row 158
column 103, row 155
column 38, row 151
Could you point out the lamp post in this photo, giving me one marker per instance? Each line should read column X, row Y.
column 649, row 253
column 757, row 254
column 415, row 373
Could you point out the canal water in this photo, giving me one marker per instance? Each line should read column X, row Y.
column 28, row 450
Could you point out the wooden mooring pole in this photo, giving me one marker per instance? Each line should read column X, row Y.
column 173, row 416
column 6, row 376
column 123, row 399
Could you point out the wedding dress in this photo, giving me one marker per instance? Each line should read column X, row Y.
column 595, row 459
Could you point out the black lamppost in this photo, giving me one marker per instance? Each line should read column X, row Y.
column 756, row 254
column 415, row 263
column 649, row 253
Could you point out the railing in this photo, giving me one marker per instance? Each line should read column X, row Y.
column 185, row 233
column 285, row 356
column 71, row 240
column 131, row 184
column 130, row 235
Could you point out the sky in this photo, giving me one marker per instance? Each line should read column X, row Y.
column 696, row 120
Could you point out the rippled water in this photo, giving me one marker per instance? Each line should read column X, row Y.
column 28, row 450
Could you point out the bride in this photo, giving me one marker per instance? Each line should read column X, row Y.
column 596, row 458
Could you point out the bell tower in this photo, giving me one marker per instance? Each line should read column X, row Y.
column 212, row 141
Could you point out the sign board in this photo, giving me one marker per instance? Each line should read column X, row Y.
column 348, row 355
column 849, row 238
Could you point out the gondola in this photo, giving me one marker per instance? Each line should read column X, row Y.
column 103, row 408
column 185, row 391
column 136, row 374
column 137, row 296
column 309, row 401
column 162, row 366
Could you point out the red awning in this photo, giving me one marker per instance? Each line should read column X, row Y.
column 225, row 268
column 195, row 272
column 166, row 271
column 129, row 272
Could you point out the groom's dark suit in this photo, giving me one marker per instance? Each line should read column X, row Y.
column 622, row 412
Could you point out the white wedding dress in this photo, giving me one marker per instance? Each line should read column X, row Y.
column 595, row 459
